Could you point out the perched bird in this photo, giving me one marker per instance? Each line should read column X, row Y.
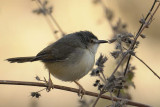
column 69, row 58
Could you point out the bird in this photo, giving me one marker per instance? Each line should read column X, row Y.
column 69, row 58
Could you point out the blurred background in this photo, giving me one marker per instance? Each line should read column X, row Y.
column 23, row 33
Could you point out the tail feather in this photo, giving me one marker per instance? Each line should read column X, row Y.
column 22, row 59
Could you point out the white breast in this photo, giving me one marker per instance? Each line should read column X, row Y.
column 69, row 70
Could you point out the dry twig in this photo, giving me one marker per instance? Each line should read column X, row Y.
column 71, row 90
column 147, row 66
column 145, row 24
column 51, row 16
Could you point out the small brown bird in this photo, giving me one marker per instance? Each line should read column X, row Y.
column 68, row 59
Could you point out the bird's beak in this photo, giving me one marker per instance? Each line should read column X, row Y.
column 101, row 41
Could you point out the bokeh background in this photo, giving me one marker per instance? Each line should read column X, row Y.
column 23, row 33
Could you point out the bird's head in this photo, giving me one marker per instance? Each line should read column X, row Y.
column 90, row 41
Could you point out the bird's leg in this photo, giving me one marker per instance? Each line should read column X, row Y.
column 49, row 83
column 81, row 89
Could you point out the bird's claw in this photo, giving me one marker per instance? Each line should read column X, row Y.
column 49, row 84
column 81, row 92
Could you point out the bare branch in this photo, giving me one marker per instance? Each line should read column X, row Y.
column 51, row 16
column 138, row 33
column 141, row 29
column 71, row 90
column 143, row 26
column 147, row 66
column 99, row 96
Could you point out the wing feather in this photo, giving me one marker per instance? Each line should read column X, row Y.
column 59, row 50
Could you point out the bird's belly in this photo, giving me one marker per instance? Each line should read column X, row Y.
column 71, row 71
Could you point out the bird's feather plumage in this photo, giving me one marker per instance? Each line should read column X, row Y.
column 71, row 70
column 69, row 58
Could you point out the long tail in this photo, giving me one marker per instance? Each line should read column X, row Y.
column 22, row 59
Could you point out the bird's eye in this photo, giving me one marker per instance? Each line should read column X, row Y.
column 92, row 41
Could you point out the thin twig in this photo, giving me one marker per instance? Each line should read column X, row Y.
column 143, row 26
column 139, row 32
column 112, row 99
column 53, row 19
column 103, row 76
column 127, row 65
column 71, row 90
column 147, row 66
column 119, row 63
column 151, row 18
column 125, row 71
column 99, row 96
column 48, row 21
column 60, row 29
column 111, row 75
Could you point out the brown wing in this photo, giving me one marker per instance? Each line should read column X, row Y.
column 59, row 50
column 55, row 52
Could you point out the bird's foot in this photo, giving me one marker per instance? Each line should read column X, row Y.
column 49, row 84
column 81, row 90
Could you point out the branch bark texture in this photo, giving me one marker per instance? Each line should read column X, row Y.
column 89, row 93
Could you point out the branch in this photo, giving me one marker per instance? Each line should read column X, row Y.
column 51, row 16
column 138, row 33
column 125, row 71
column 99, row 96
column 141, row 29
column 72, row 90
column 147, row 66
column 143, row 26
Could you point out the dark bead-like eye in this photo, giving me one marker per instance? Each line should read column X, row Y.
column 91, row 41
